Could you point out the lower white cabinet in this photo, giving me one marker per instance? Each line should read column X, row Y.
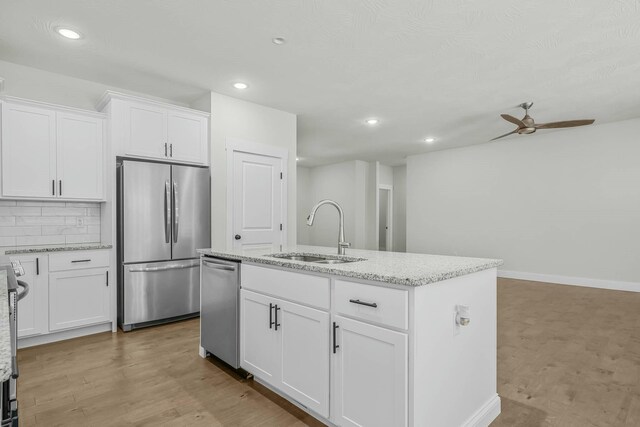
column 78, row 298
column 65, row 293
column 370, row 377
column 259, row 340
column 32, row 309
column 287, row 346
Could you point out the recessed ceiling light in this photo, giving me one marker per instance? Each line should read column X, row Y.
column 68, row 33
column 240, row 85
column 372, row 121
column 430, row 140
column 278, row 40
column 297, row 159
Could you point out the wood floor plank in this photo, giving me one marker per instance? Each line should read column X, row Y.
column 567, row 356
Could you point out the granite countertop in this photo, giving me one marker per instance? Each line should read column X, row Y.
column 389, row 267
column 5, row 335
column 55, row 248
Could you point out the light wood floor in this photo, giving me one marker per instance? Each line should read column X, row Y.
column 567, row 356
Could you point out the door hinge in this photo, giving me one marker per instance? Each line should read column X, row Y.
column 280, row 227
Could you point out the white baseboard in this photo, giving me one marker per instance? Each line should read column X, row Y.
column 63, row 335
column 486, row 414
column 573, row 281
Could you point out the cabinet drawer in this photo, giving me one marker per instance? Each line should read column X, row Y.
column 301, row 288
column 385, row 306
column 78, row 260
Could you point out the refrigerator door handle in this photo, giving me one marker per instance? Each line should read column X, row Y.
column 164, row 268
column 176, row 212
column 167, row 213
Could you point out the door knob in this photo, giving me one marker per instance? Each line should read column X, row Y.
column 238, row 237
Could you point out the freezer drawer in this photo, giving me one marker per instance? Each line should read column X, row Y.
column 160, row 290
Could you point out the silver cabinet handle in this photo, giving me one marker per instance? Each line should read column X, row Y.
column 176, row 212
column 165, row 149
column 170, row 150
column 167, row 213
column 368, row 304
column 80, row 260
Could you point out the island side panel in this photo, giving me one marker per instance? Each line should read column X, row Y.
column 453, row 368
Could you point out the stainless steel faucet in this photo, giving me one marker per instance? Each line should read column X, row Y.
column 342, row 245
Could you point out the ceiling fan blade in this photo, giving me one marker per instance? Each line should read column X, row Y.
column 566, row 124
column 506, row 134
column 513, row 120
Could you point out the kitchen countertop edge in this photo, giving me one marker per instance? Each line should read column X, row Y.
column 5, row 335
column 55, row 248
column 478, row 264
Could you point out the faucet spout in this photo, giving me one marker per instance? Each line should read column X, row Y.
column 341, row 243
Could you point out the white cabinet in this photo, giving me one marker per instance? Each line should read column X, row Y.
column 67, row 291
column 32, row 309
column 78, row 298
column 50, row 152
column 154, row 130
column 370, row 377
column 147, row 130
column 80, row 156
column 304, row 349
column 28, row 151
column 259, row 340
column 187, row 137
column 287, row 346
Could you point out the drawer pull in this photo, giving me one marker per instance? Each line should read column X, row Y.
column 368, row 304
column 81, row 260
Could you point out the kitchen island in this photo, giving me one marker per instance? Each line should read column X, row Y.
column 371, row 338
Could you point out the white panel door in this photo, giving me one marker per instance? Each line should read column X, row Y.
column 80, row 161
column 187, row 137
column 146, row 130
column 370, row 375
column 78, row 298
column 257, row 202
column 32, row 309
column 259, row 339
column 305, row 349
column 28, row 151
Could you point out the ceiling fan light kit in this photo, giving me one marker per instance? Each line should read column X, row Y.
column 527, row 125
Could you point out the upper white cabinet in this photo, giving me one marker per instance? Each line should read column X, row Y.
column 79, row 161
column 28, row 151
column 155, row 130
column 51, row 152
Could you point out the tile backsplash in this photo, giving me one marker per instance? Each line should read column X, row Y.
column 26, row 223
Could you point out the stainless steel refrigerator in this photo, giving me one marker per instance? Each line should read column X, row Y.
column 163, row 217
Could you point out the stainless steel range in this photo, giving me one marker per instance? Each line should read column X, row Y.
column 8, row 388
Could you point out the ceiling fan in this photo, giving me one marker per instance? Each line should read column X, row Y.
column 527, row 124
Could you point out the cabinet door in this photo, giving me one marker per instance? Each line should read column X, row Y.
column 78, row 298
column 259, row 340
column 32, row 309
column 80, row 161
column 28, row 151
column 146, row 127
column 187, row 137
column 305, row 349
column 370, row 375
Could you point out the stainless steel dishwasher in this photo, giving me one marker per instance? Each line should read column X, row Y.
column 220, row 309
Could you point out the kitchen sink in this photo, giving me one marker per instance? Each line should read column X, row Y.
column 317, row 259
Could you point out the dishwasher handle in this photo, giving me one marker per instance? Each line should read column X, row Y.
column 25, row 287
column 216, row 266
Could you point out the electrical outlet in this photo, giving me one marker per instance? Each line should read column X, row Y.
column 79, row 221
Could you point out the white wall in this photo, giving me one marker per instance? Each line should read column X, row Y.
column 399, row 208
column 385, row 174
column 304, row 204
column 39, row 85
column 233, row 118
column 563, row 203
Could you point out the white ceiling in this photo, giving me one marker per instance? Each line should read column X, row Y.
column 423, row 67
